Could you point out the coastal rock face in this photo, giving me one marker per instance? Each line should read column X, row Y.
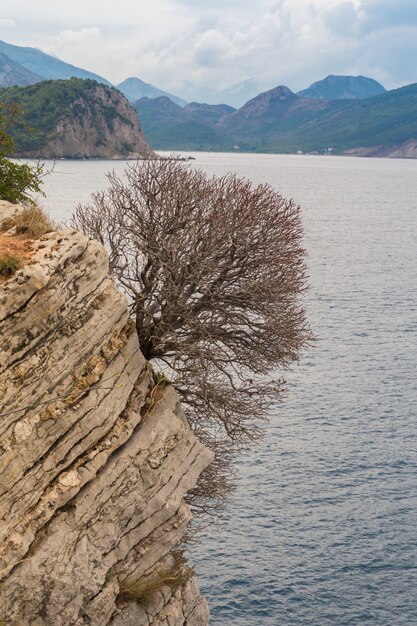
column 95, row 457
column 101, row 126
column 98, row 123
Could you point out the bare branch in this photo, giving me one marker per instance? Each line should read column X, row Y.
column 214, row 269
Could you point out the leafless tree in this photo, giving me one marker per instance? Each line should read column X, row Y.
column 214, row 269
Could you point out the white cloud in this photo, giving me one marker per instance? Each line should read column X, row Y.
column 75, row 37
column 342, row 19
column 181, row 45
column 7, row 24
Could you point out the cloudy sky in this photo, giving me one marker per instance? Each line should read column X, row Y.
column 189, row 46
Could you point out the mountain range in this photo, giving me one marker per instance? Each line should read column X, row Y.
column 279, row 120
column 331, row 87
column 193, row 127
column 43, row 66
column 134, row 88
column 339, row 114
column 22, row 66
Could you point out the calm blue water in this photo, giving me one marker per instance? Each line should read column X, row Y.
column 322, row 530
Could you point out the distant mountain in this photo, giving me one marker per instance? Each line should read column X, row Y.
column 270, row 114
column 209, row 113
column 238, row 94
column 277, row 108
column 343, row 87
column 74, row 118
column 279, row 120
column 12, row 73
column 135, row 88
column 156, row 113
column 235, row 95
column 171, row 127
column 382, row 125
column 44, row 65
column 220, row 127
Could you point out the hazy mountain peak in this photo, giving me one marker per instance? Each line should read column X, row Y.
column 12, row 73
column 236, row 95
column 264, row 101
column 202, row 107
column 135, row 88
column 281, row 92
column 160, row 102
column 44, row 65
column 335, row 87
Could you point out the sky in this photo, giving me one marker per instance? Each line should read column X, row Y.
column 194, row 47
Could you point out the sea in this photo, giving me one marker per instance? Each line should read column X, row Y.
column 322, row 527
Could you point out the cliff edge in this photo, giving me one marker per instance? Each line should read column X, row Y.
column 95, row 455
column 74, row 118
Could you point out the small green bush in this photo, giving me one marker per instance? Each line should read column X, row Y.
column 18, row 182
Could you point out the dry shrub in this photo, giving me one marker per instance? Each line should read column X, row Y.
column 9, row 264
column 214, row 269
column 143, row 590
column 32, row 222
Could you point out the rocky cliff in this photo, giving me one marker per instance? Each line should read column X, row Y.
column 95, row 455
column 74, row 118
column 100, row 125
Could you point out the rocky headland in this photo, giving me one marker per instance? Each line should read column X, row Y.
column 99, row 124
column 74, row 118
column 96, row 455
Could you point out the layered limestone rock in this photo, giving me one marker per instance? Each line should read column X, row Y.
column 95, row 457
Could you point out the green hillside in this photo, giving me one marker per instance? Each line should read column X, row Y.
column 387, row 119
column 168, row 126
column 43, row 104
column 280, row 121
column 189, row 135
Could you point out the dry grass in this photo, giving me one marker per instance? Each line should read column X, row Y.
column 16, row 238
column 32, row 222
column 143, row 590
column 15, row 252
column 9, row 264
